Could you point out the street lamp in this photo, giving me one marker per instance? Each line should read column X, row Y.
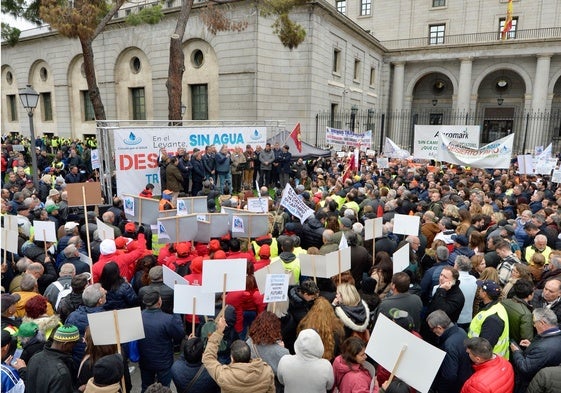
column 29, row 99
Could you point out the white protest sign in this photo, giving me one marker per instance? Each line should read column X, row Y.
column 383, row 162
column 94, row 155
column 401, row 259
column 276, row 288
column 312, row 265
column 45, row 231
column 178, row 228
column 556, row 176
column 203, row 232
column 250, row 225
column 129, row 323
column 425, row 140
column 258, row 205
column 128, row 205
column 182, row 207
column 217, row 272
column 86, row 259
column 261, row 274
column 388, row 341
column 218, row 224
column 183, row 296
column 373, row 228
column 11, row 222
column 104, row 231
column 404, row 224
column 337, row 262
column 171, row 278
column 294, row 204
column 525, row 164
column 9, row 240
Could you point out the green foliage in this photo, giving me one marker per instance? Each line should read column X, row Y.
column 10, row 34
column 150, row 15
column 291, row 34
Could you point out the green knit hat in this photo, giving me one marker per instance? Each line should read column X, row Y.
column 66, row 334
column 28, row 329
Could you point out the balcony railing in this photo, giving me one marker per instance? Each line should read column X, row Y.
column 476, row 38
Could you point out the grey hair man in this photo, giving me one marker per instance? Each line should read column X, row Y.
column 468, row 286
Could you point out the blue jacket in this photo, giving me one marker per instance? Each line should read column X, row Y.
column 222, row 163
column 183, row 373
column 161, row 332
column 123, row 297
column 79, row 318
column 456, row 367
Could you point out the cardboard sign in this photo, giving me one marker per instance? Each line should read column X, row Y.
column 177, row 229
column 261, row 274
column 373, row 228
column 214, row 271
column 258, row 205
column 203, row 231
column 45, row 231
column 218, row 224
column 171, row 278
column 249, row 225
column 9, row 240
column 104, row 231
column 388, row 341
column 91, row 189
column 404, row 224
column 11, row 222
column 325, row 266
column 401, row 259
column 182, row 209
column 144, row 210
column 556, row 176
column 383, row 162
column 103, row 326
column 276, row 288
column 183, row 296
column 192, row 205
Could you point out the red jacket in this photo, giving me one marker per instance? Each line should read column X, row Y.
column 245, row 301
column 351, row 378
column 126, row 261
column 493, row 376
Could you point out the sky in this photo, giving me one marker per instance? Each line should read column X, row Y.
column 19, row 23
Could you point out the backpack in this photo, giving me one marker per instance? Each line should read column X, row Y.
column 208, row 328
column 63, row 291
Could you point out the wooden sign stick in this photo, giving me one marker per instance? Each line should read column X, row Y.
column 224, row 294
column 314, row 268
column 45, row 242
column 339, row 263
column 89, row 248
column 194, row 315
column 399, row 357
column 118, row 337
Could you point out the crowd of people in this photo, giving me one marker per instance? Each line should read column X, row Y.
column 483, row 282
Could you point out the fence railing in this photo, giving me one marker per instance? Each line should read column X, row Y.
column 476, row 38
column 531, row 128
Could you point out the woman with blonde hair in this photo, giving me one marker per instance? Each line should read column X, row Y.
column 489, row 273
column 323, row 320
column 519, row 270
column 478, row 264
column 353, row 311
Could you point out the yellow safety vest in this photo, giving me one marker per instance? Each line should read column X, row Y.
column 501, row 348
column 274, row 249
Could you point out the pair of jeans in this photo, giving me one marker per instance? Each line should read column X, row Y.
column 148, row 377
column 223, row 179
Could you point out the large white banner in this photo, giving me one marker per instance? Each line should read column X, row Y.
column 294, row 204
column 137, row 149
column 348, row 138
column 425, row 142
column 496, row 154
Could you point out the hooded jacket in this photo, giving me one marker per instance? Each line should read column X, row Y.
column 255, row 376
column 306, row 371
column 355, row 318
column 351, row 378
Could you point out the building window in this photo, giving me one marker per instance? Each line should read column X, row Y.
column 512, row 33
column 337, row 61
column 333, row 123
column 47, row 106
column 438, row 3
column 199, row 100
column 372, row 77
column 12, row 107
column 436, row 34
column 138, row 103
column 356, row 71
column 89, row 114
column 365, row 7
column 341, row 6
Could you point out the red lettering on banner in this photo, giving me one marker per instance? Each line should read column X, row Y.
column 138, row 161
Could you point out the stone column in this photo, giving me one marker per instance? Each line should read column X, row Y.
column 464, row 86
column 396, row 115
column 538, row 127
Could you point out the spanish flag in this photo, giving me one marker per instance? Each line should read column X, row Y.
column 508, row 21
column 296, row 136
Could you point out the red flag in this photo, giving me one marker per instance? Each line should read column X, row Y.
column 508, row 21
column 296, row 136
column 380, row 211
